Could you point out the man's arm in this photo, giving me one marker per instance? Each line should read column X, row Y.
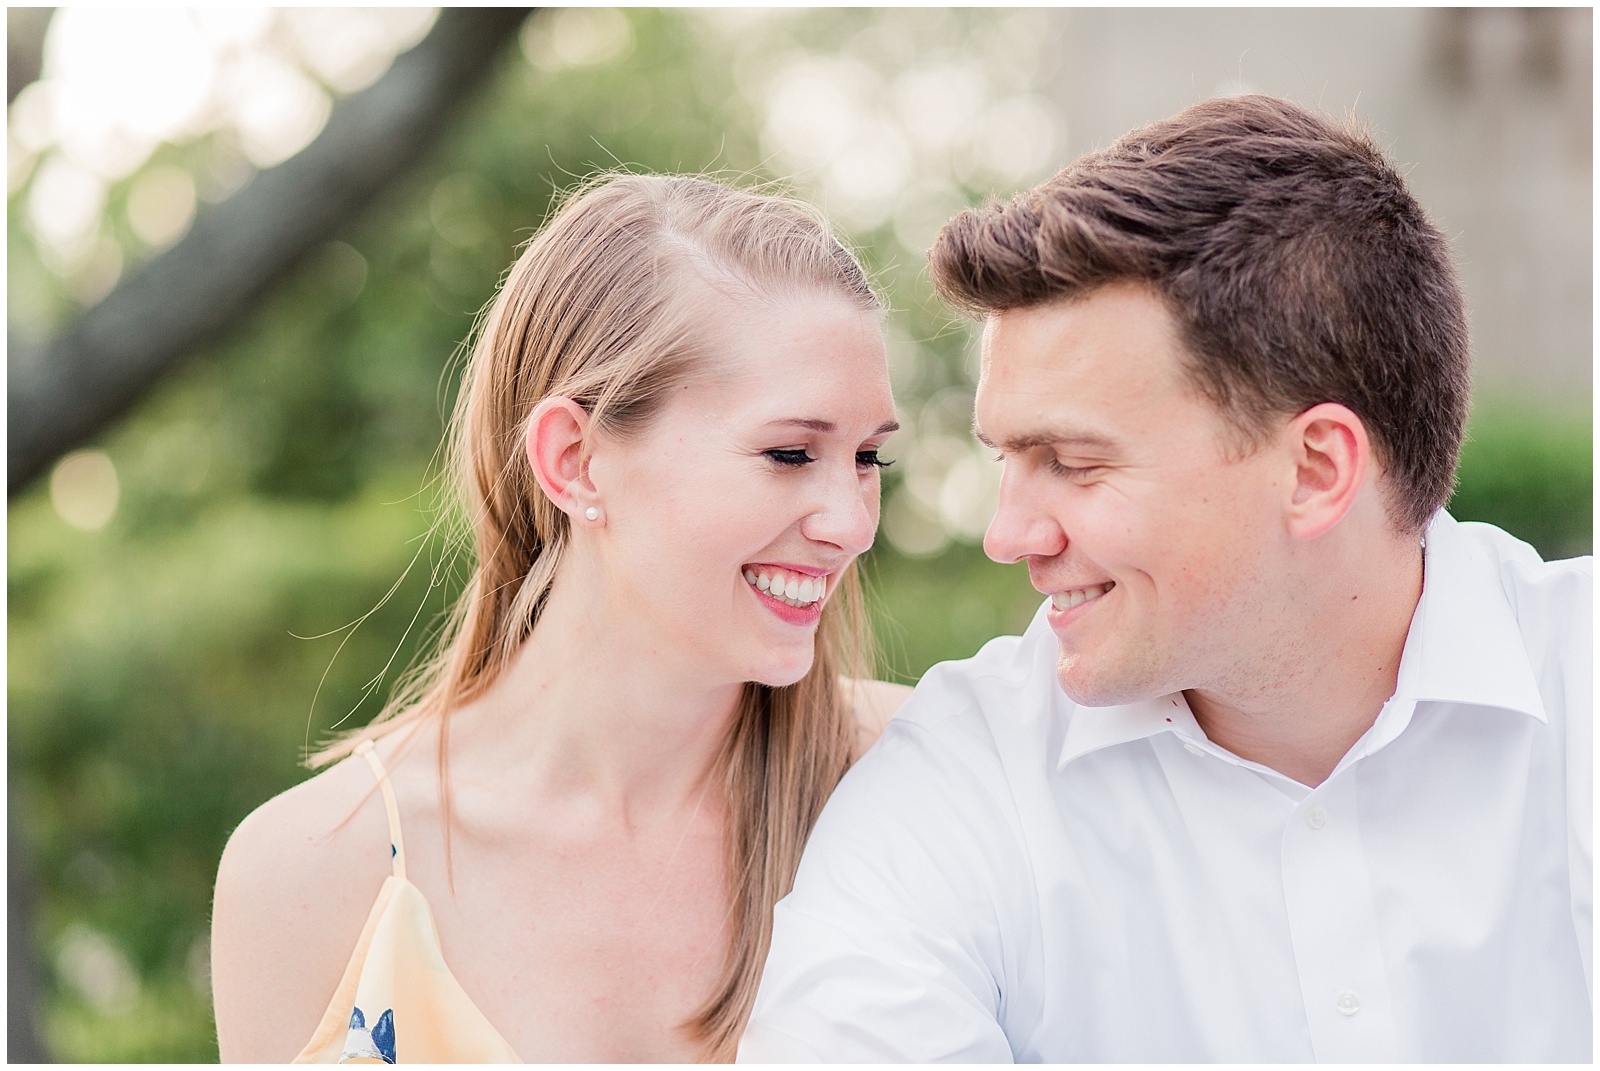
column 892, row 946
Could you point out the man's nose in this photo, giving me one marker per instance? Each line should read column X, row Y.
column 1023, row 526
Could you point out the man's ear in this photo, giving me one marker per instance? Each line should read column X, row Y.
column 557, row 447
column 1331, row 453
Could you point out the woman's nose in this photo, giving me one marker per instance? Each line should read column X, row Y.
column 846, row 516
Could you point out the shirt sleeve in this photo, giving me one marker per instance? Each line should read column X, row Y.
column 892, row 945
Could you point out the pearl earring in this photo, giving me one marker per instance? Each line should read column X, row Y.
column 593, row 513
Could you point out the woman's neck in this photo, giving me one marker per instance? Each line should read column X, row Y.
column 592, row 705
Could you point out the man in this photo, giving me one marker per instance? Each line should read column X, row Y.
column 1291, row 765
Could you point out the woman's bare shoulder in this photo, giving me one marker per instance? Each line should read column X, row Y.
column 873, row 704
column 294, row 887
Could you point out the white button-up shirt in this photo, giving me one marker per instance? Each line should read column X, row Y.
column 1008, row 876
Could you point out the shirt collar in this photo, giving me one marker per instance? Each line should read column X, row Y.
column 1463, row 647
column 1093, row 728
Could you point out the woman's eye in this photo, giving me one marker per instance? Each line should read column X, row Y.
column 793, row 458
column 870, row 459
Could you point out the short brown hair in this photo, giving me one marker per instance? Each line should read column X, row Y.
column 1296, row 264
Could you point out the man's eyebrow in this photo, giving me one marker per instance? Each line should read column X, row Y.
column 828, row 427
column 1046, row 437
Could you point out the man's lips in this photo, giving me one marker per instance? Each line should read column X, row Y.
column 1069, row 598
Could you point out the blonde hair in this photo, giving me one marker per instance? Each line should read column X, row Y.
column 605, row 306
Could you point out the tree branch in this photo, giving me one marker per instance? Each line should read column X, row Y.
column 23, row 981
column 64, row 393
column 25, row 30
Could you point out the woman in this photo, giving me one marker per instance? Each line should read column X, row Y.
column 587, row 804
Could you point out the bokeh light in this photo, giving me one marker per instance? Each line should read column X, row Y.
column 904, row 100
column 559, row 38
column 84, row 489
column 161, row 205
column 97, row 970
column 275, row 107
column 118, row 84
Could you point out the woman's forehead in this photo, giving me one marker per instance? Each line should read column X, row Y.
column 804, row 335
column 816, row 367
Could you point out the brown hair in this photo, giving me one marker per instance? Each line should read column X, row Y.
column 1297, row 266
column 601, row 307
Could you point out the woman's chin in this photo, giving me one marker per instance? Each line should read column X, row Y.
column 783, row 676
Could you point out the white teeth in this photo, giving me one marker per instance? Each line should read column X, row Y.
column 790, row 588
column 1066, row 600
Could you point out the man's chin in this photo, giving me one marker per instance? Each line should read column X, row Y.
column 1088, row 689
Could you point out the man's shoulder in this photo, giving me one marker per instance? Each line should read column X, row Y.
column 1509, row 550
column 949, row 779
column 1526, row 623
column 1010, row 674
column 1539, row 592
column 975, row 717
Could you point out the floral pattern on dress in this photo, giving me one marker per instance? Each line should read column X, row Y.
column 369, row 1046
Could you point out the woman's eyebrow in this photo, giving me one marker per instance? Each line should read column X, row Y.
column 828, row 427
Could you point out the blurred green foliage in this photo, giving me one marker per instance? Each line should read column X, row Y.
column 164, row 670
column 1530, row 469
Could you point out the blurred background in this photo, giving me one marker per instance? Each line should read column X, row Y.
column 243, row 246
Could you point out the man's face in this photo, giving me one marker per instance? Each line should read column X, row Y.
column 1124, row 492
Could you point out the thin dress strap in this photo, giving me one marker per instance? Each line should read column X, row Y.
column 397, row 845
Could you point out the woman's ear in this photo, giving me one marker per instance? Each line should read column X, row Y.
column 1331, row 454
column 557, row 447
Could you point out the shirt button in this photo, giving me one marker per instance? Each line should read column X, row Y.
column 1195, row 749
column 1316, row 818
column 1347, row 1003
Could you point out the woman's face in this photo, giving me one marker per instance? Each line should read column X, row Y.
column 730, row 518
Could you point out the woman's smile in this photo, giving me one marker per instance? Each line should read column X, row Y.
column 793, row 593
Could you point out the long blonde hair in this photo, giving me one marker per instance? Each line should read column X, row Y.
column 601, row 307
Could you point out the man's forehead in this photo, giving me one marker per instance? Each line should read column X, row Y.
column 1089, row 372
column 1120, row 333
column 1016, row 413
column 991, row 328
column 987, row 346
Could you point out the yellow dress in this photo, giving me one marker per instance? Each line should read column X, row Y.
column 397, row 1001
